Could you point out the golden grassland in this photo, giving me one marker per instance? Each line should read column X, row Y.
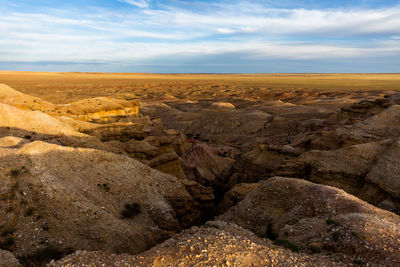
column 71, row 86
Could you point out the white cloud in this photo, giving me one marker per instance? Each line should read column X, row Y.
column 138, row 3
column 173, row 32
column 106, row 50
column 296, row 21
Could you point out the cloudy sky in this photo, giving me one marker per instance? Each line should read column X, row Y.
column 200, row 36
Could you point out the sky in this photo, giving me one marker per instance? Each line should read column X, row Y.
column 203, row 36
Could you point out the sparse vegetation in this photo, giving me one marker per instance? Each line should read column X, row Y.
column 315, row 248
column 355, row 234
column 130, row 210
column 331, row 222
column 29, row 211
column 259, row 234
column 15, row 172
column 287, row 244
column 359, row 262
column 336, row 236
column 271, row 233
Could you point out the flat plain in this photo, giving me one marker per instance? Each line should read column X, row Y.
column 64, row 87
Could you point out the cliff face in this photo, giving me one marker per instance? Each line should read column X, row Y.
column 102, row 110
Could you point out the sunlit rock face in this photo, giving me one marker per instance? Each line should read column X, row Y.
column 102, row 110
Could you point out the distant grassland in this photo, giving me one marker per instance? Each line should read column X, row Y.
column 67, row 87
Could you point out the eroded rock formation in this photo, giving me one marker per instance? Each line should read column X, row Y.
column 217, row 243
column 313, row 215
column 105, row 174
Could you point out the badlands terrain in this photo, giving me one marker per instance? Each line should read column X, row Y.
column 199, row 170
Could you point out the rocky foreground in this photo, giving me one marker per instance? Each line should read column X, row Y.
column 102, row 182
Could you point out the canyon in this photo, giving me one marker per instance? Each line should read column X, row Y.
column 100, row 169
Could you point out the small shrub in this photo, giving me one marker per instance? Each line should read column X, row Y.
column 336, row 236
column 287, row 244
column 359, row 262
column 315, row 248
column 15, row 173
column 29, row 211
column 259, row 234
column 130, row 210
column 271, row 233
column 331, row 222
column 355, row 234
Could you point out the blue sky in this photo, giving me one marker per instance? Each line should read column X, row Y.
column 200, row 36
